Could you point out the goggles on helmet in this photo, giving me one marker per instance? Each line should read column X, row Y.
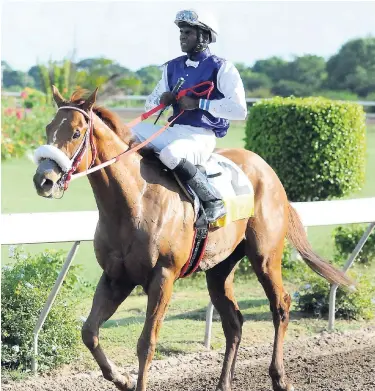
column 187, row 16
column 191, row 17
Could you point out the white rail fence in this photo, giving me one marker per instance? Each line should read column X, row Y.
column 29, row 228
column 123, row 110
column 144, row 97
column 138, row 98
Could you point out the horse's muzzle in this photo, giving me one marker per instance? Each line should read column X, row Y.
column 46, row 177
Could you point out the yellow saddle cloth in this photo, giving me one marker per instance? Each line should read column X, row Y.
column 237, row 207
column 234, row 186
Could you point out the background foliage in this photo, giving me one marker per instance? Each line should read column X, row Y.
column 347, row 74
column 25, row 288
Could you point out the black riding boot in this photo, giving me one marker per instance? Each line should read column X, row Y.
column 211, row 199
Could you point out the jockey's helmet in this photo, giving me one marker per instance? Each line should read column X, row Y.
column 205, row 22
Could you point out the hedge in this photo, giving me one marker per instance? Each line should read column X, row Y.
column 315, row 145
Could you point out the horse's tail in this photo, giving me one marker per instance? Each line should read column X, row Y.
column 296, row 234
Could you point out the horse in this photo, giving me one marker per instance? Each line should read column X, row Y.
column 145, row 230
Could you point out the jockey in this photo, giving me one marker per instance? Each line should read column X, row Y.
column 192, row 138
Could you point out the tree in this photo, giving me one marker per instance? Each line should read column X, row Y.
column 353, row 67
column 94, row 72
column 241, row 67
column 130, row 85
column 274, row 67
column 19, row 79
column 361, row 81
column 34, row 72
column 308, row 70
column 149, row 76
column 252, row 80
column 300, row 77
column 289, row 87
column 5, row 66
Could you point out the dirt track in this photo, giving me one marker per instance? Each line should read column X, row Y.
column 328, row 362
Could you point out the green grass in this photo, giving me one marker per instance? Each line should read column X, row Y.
column 18, row 196
column 183, row 328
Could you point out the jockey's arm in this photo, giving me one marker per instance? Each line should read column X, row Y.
column 233, row 105
column 153, row 99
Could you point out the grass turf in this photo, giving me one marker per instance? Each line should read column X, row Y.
column 183, row 328
column 18, row 196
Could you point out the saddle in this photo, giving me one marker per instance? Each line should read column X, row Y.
column 238, row 196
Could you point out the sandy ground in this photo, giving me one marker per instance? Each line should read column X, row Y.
column 327, row 362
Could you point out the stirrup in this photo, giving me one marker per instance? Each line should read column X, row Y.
column 214, row 210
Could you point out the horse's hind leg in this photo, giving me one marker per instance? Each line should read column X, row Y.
column 220, row 286
column 264, row 248
column 108, row 296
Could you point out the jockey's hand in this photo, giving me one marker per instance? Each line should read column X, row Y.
column 188, row 103
column 167, row 98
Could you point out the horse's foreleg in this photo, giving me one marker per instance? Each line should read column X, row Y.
column 220, row 286
column 108, row 296
column 159, row 294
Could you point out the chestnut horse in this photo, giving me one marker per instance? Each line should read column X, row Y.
column 145, row 232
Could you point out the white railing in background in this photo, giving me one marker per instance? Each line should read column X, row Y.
column 248, row 100
column 26, row 228
column 144, row 97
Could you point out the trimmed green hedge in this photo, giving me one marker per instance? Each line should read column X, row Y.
column 315, row 145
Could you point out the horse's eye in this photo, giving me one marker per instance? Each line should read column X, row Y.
column 76, row 134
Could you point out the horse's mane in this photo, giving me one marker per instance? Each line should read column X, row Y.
column 112, row 120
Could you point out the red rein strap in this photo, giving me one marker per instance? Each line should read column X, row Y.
column 192, row 90
column 161, row 106
column 122, row 154
column 136, row 121
column 182, row 93
column 144, row 116
column 143, row 143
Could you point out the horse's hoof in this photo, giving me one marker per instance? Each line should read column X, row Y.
column 288, row 387
column 223, row 388
column 126, row 385
column 132, row 384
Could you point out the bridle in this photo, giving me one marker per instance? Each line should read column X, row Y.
column 70, row 165
column 76, row 159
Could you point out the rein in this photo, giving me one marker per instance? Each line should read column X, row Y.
column 128, row 151
column 76, row 159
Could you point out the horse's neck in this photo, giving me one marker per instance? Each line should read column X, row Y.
column 117, row 187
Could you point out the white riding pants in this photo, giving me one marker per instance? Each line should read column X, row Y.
column 178, row 142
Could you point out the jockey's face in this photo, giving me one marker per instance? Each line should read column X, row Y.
column 188, row 38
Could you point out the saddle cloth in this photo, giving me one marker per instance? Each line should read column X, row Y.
column 234, row 187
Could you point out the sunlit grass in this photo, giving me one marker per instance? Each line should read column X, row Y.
column 184, row 326
column 18, row 196
column 183, row 329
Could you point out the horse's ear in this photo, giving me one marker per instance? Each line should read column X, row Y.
column 90, row 101
column 60, row 101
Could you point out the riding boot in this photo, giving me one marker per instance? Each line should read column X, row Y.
column 209, row 196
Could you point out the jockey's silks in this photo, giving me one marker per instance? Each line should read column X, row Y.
column 207, row 70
